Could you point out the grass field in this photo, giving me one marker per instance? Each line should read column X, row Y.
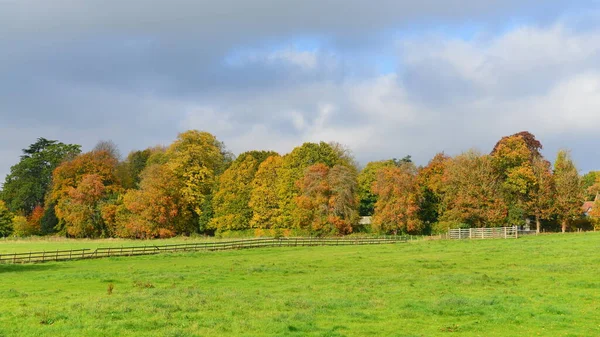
column 534, row 286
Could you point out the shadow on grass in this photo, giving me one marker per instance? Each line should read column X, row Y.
column 17, row 268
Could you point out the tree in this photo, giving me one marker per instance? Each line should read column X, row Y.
column 472, row 192
column 197, row 158
column 6, row 218
column 231, row 200
column 430, row 181
column 543, row 192
column 569, row 196
column 264, row 198
column 79, row 187
column 590, row 185
column 398, row 200
column 366, row 178
column 533, row 145
column 293, row 168
column 157, row 209
column 129, row 170
column 513, row 158
column 328, row 200
column 29, row 180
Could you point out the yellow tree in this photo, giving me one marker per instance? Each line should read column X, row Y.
column 196, row 159
column 231, row 200
column 264, row 198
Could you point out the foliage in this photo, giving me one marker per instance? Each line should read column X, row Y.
column 264, row 197
column 567, row 202
column 196, row 159
column 542, row 194
column 366, row 178
column 398, row 200
column 328, row 202
column 157, row 209
column 78, row 189
column 129, row 170
column 231, row 200
column 21, row 227
column 293, row 169
column 6, row 218
column 472, row 192
column 430, row 181
column 29, row 180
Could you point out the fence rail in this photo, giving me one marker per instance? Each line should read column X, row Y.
column 484, row 233
column 79, row 254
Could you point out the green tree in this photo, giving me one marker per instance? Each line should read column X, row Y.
column 543, row 192
column 130, row 169
column 431, row 183
column 569, row 196
column 590, row 185
column 231, row 200
column 29, row 180
column 6, row 220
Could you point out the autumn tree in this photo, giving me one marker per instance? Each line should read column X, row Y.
column 264, row 197
column 231, row 200
column 29, row 180
column 398, row 200
column 157, row 209
column 568, row 199
column 542, row 194
column 513, row 157
column 472, row 192
column 293, row 169
column 366, row 178
column 328, row 200
column 79, row 187
column 196, row 159
column 431, row 184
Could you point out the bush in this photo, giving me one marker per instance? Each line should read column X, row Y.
column 22, row 227
column 443, row 226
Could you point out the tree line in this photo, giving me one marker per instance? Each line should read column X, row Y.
column 195, row 185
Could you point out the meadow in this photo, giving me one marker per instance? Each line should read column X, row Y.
column 547, row 285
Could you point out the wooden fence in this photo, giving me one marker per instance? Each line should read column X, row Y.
column 79, row 254
column 484, row 233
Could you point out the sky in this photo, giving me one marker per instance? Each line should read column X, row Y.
column 386, row 78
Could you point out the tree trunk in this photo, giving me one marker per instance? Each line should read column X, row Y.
column 564, row 226
column 538, row 225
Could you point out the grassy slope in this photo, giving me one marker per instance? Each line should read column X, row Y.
column 535, row 286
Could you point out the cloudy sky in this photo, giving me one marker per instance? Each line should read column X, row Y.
column 387, row 78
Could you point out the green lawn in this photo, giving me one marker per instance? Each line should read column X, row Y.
column 57, row 243
column 535, row 286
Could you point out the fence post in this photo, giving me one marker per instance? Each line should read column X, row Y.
column 505, row 232
column 29, row 256
column 516, row 232
column 470, row 232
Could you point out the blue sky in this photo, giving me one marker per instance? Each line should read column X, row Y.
column 386, row 78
